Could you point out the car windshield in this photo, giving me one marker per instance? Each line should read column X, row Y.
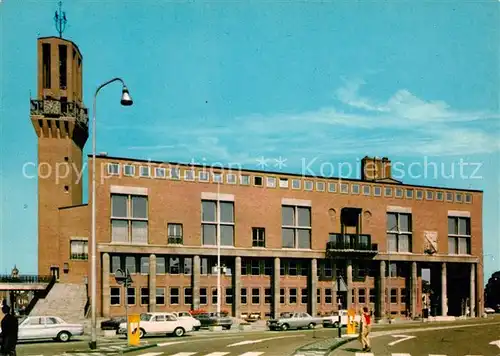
column 145, row 317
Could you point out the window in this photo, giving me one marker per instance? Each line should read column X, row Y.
column 258, row 237
column 130, row 264
column 355, row 189
column 420, row 194
column 214, row 296
column 388, row 192
column 303, row 296
column 174, row 295
column 229, row 295
column 271, row 182
column 361, row 296
column 399, row 193
column 217, row 177
column 203, row 296
column 255, row 296
column 344, row 188
column 209, row 219
column 292, row 296
column 189, row 175
column 129, row 218
column 402, row 293
column 282, row 295
column 459, row 235
column 409, row 193
column 328, row 296
column 188, row 265
column 145, row 171
column 459, row 198
column 295, row 184
column 129, row 170
column 394, row 295
column 373, row 295
column 429, row 195
column 267, row 296
column 203, row 176
column 308, row 185
column 320, row 186
column 160, row 296
column 63, row 64
column 366, row 190
column 296, row 227
column 243, row 296
column 160, row 172
column 245, row 180
column 188, row 296
column 160, row 265
column 79, row 250
column 175, row 173
column 113, row 168
column 144, row 267
column 144, row 296
column 114, row 295
column 332, row 187
column 174, row 233
column 131, row 296
column 468, row 198
column 257, row 180
column 174, row 265
column 231, row 178
column 46, row 65
column 318, row 296
column 377, row 191
column 439, row 196
column 116, row 263
column 399, row 229
column 449, row 196
column 283, row 183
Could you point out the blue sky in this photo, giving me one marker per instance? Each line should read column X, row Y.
column 231, row 82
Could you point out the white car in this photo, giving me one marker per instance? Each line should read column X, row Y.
column 488, row 310
column 159, row 323
column 187, row 316
column 47, row 327
column 333, row 319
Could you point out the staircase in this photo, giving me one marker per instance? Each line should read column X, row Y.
column 64, row 300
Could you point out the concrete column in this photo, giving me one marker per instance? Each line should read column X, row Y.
column 276, row 287
column 472, row 290
column 381, row 292
column 349, row 284
column 152, row 283
column 334, row 286
column 196, row 282
column 313, row 288
column 444, row 293
column 106, row 302
column 414, row 284
column 237, row 287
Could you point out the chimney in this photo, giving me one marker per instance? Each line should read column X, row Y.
column 375, row 168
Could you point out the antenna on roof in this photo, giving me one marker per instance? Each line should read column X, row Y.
column 60, row 20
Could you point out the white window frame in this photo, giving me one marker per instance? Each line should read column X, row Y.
column 397, row 231
column 185, row 295
column 217, row 177
column 176, row 234
column 203, row 176
column 111, row 171
column 308, row 185
column 119, row 296
column 141, row 172
column 375, row 188
column 399, row 196
column 160, row 294
column 459, row 197
column 84, row 256
column 457, row 236
column 174, row 173
column 283, row 183
column 252, row 295
column 255, row 181
column 178, row 295
column 218, row 221
column 346, row 186
column 132, row 295
column 429, row 195
column 160, row 175
column 271, row 182
column 468, row 196
column 388, row 192
column 439, row 196
column 144, row 295
column 320, row 186
column 446, row 196
column 231, row 178
column 296, row 184
column 129, row 218
column 245, row 179
column 297, row 227
column 186, row 175
column 355, row 188
column 366, row 190
column 129, row 166
column 409, row 193
column 332, row 187
column 419, row 194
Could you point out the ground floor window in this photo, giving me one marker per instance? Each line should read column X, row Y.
column 255, row 296
column 203, row 296
column 144, row 296
column 243, row 296
column 115, row 296
column 131, row 296
column 174, row 295
column 188, row 296
column 160, row 296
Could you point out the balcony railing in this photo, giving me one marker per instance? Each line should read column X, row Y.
column 60, row 108
column 175, row 239
column 79, row 256
column 352, row 242
column 25, row 279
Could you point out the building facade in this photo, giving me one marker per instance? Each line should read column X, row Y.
column 287, row 242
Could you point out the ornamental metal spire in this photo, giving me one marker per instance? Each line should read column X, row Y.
column 60, row 20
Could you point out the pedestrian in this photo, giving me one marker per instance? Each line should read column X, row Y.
column 366, row 325
column 9, row 333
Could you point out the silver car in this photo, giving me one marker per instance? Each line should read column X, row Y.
column 47, row 327
column 293, row 321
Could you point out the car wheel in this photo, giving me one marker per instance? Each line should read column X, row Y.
column 311, row 325
column 63, row 336
column 227, row 327
column 284, row 327
column 142, row 332
column 336, row 324
column 179, row 332
column 196, row 328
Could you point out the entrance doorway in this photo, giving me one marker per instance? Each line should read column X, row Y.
column 54, row 271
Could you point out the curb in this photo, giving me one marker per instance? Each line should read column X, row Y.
column 306, row 350
column 114, row 352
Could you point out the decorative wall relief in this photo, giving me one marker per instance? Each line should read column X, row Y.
column 430, row 242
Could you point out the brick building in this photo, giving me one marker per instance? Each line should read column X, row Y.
column 288, row 242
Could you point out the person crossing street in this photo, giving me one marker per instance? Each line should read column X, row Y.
column 366, row 325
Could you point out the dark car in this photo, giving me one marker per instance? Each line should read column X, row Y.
column 214, row 319
column 113, row 323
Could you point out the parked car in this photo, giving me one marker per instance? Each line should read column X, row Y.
column 188, row 317
column 214, row 319
column 488, row 310
column 113, row 323
column 47, row 327
column 293, row 321
column 332, row 320
column 159, row 323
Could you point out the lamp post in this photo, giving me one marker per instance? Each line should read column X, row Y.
column 126, row 100
column 218, row 248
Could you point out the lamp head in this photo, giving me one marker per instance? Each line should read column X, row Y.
column 126, row 98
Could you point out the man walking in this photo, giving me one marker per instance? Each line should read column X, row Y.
column 9, row 332
column 366, row 325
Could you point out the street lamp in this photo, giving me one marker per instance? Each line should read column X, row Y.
column 126, row 100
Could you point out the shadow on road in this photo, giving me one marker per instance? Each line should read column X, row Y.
column 351, row 349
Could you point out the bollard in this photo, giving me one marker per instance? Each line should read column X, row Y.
column 340, row 327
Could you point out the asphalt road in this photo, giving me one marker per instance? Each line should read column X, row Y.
column 455, row 341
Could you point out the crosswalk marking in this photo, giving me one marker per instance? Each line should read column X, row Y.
column 364, row 354
column 152, row 354
column 184, row 354
column 217, row 354
column 252, row 354
column 401, row 354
